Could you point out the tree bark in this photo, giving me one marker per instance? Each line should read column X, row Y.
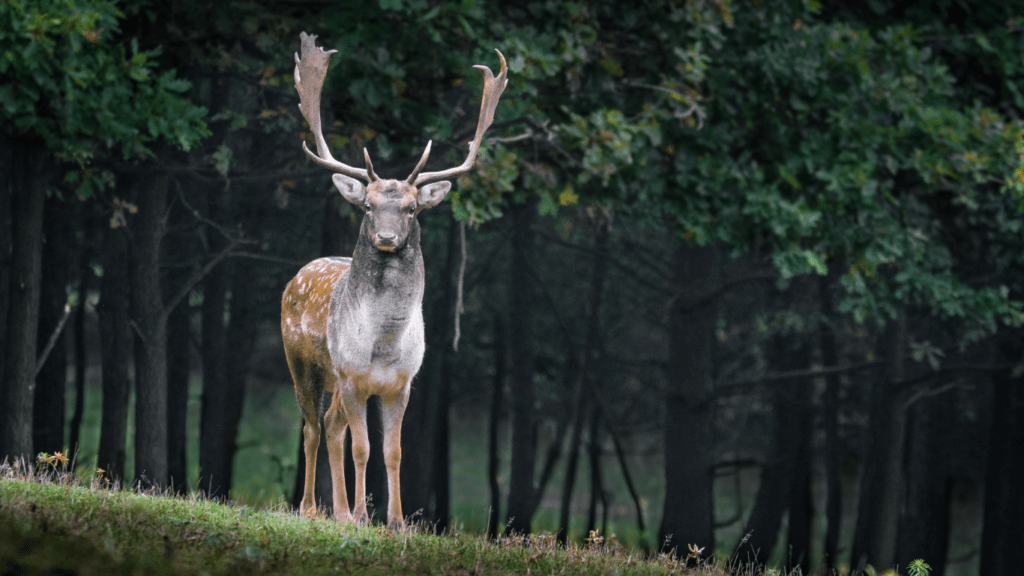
column 571, row 463
column 1003, row 527
column 800, row 498
column 151, row 331
column 178, row 372
column 881, row 477
column 214, row 466
column 924, row 521
column 28, row 193
column 688, row 516
column 521, row 486
column 830, row 423
column 497, row 401
column 116, row 352
column 51, row 382
column 6, row 185
column 85, row 284
column 597, row 495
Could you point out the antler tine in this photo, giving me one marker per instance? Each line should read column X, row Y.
column 310, row 72
column 369, row 166
column 423, row 162
column 493, row 87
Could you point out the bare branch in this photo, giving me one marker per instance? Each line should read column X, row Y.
column 53, row 339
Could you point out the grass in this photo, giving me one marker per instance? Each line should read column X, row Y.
column 52, row 524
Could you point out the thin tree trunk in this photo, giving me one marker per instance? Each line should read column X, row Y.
column 881, row 478
column 179, row 342
column 762, row 529
column 800, row 498
column 688, row 516
column 585, row 384
column 571, row 462
column 51, row 382
column 85, row 276
column 116, row 353
column 28, row 193
column 924, row 521
column 521, row 486
column 151, row 327
column 594, row 460
column 213, row 464
column 6, row 185
column 833, row 446
column 497, row 401
column 440, row 483
column 621, row 455
column 1003, row 527
column 178, row 372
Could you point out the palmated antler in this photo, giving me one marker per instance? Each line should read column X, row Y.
column 310, row 72
column 493, row 87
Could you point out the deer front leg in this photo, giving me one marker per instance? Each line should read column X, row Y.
column 335, row 423
column 394, row 411
column 355, row 409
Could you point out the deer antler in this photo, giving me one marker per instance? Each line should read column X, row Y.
column 493, row 87
column 309, row 82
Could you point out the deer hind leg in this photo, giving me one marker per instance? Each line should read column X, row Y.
column 394, row 411
column 355, row 409
column 336, row 421
column 308, row 388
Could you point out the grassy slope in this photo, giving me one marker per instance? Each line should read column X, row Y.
column 49, row 528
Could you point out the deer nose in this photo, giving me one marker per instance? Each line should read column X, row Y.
column 386, row 238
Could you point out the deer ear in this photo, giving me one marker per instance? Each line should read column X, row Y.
column 432, row 194
column 352, row 189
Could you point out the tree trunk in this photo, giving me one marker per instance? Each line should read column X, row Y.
column 116, row 352
column 688, row 516
column 51, row 382
column 833, row 445
column 441, row 467
column 497, row 401
column 762, row 528
column 151, row 324
column 521, row 487
column 214, row 465
column 1003, row 528
column 800, row 498
column 179, row 344
column 178, row 372
column 594, row 460
column 6, row 185
column 571, row 462
column 881, row 478
column 85, row 284
column 28, row 192
column 924, row 522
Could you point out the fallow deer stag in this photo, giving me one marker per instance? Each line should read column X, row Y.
column 353, row 327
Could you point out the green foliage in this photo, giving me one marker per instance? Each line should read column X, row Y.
column 68, row 83
column 918, row 568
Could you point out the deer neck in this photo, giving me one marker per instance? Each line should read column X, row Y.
column 390, row 282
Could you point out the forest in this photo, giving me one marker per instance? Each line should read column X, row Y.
column 736, row 276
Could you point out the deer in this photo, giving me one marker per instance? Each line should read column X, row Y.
column 353, row 326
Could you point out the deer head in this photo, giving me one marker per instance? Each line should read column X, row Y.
column 390, row 205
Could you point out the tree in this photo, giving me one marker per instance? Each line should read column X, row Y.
column 73, row 94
